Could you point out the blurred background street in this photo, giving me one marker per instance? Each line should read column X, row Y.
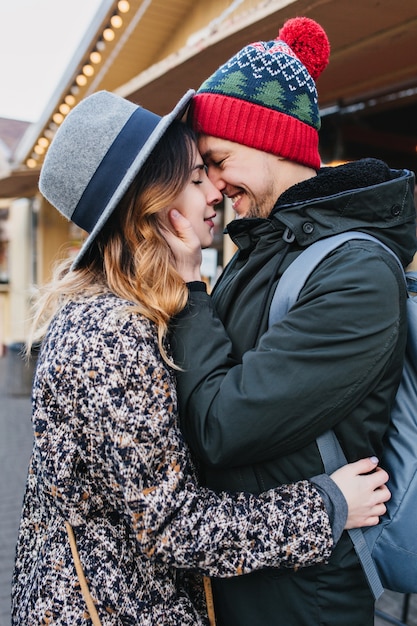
column 15, row 448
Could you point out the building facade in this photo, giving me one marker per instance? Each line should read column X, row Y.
column 152, row 51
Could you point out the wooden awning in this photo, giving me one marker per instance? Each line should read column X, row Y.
column 167, row 46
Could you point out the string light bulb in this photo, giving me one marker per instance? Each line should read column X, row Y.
column 88, row 70
column 123, row 6
column 108, row 34
column 81, row 80
column 58, row 118
column 116, row 21
column 64, row 108
column 95, row 57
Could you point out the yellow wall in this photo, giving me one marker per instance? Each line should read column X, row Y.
column 53, row 240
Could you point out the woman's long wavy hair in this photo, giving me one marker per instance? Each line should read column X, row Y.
column 130, row 256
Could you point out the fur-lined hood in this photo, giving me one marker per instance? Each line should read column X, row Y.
column 363, row 195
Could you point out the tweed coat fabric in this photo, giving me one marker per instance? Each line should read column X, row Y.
column 108, row 457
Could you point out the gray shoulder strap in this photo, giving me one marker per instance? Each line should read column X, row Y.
column 333, row 457
column 296, row 275
column 286, row 294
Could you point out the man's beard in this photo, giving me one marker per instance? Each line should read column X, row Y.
column 254, row 212
column 262, row 208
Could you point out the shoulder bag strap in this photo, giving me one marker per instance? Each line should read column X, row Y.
column 81, row 576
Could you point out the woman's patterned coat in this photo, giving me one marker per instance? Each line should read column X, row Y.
column 108, row 457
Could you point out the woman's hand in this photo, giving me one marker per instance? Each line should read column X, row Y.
column 363, row 485
column 185, row 246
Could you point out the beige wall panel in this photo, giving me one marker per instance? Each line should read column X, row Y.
column 20, row 258
column 53, row 240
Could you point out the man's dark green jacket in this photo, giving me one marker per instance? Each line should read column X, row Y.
column 253, row 399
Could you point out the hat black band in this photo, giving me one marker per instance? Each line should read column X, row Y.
column 113, row 168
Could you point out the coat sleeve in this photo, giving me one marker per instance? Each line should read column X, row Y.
column 132, row 448
column 307, row 373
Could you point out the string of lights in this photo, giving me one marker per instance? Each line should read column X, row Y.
column 81, row 79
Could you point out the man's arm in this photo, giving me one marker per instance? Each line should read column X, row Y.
column 307, row 373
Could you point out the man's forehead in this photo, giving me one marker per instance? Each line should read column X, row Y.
column 209, row 145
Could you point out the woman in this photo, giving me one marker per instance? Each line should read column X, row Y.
column 108, row 455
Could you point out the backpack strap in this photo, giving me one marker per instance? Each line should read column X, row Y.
column 296, row 275
column 333, row 457
column 286, row 294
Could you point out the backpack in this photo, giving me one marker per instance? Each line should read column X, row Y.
column 388, row 551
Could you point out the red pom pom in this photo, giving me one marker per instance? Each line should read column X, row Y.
column 309, row 42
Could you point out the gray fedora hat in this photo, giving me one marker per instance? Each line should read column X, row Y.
column 95, row 156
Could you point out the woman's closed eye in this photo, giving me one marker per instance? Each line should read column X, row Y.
column 200, row 171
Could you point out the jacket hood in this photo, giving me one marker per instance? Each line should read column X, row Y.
column 363, row 195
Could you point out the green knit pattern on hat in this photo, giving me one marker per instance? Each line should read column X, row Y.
column 270, row 75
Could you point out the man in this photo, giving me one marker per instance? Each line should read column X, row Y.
column 253, row 399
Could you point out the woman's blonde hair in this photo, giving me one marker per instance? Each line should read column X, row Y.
column 130, row 256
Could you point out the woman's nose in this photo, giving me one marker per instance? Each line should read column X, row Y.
column 214, row 195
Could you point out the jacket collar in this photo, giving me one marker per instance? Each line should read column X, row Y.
column 332, row 181
column 363, row 195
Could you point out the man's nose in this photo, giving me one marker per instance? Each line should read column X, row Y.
column 216, row 178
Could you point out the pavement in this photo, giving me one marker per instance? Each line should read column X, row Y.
column 15, row 449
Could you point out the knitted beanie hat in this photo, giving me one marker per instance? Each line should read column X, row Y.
column 265, row 96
